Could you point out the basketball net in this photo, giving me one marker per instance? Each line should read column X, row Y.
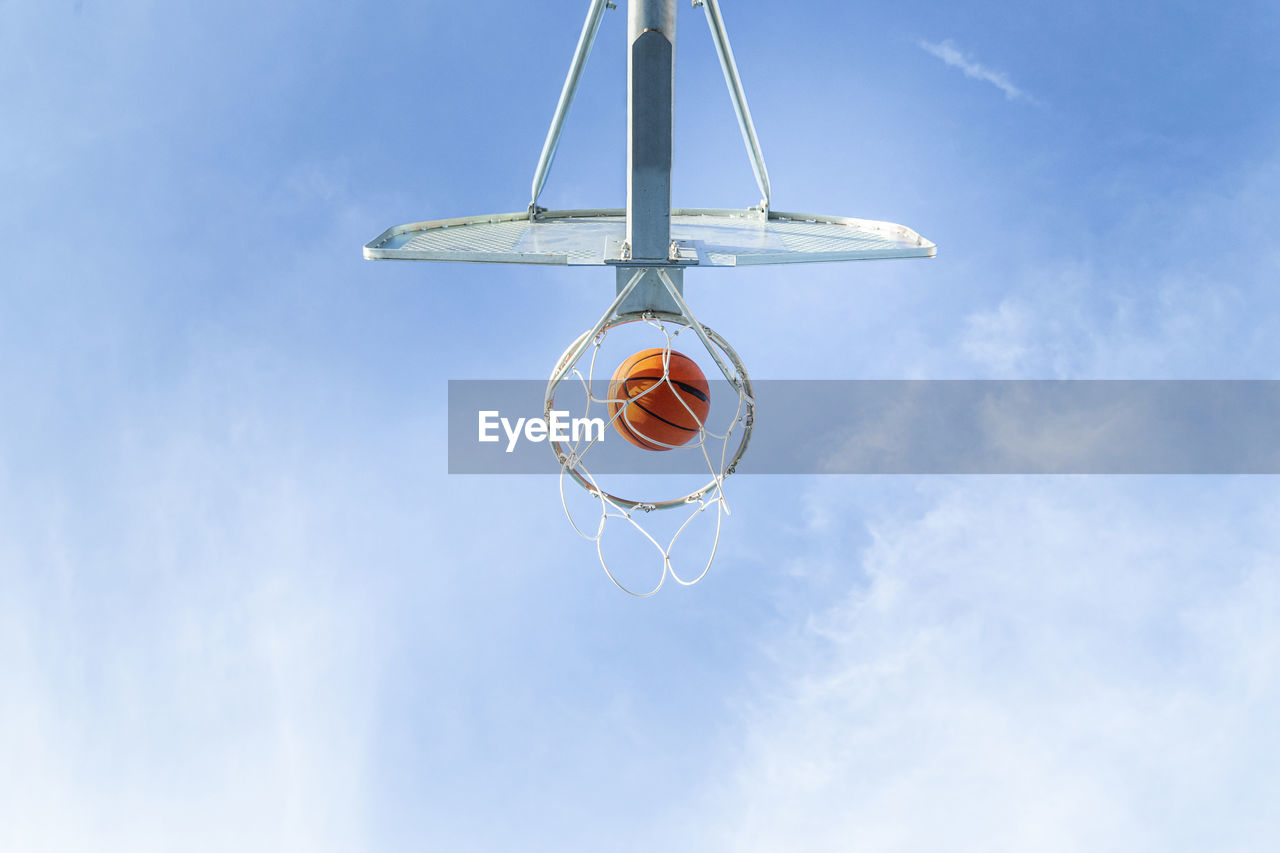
column 712, row 446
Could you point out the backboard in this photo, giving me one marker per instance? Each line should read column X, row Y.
column 703, row 237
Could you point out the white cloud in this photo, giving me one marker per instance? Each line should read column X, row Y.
column 209, row 717
column 998, row 339
column 185, row 664
column 1055, row 664
column 948, row 53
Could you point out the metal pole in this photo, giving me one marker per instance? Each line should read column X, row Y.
column 651, row 55
column 585, row 42
column 739, row 96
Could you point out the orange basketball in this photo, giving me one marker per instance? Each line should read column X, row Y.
column 660, row 417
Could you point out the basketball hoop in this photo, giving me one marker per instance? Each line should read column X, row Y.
column 720, row 464
column 651, row 244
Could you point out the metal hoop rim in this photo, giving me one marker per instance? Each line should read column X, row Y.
column 562, row 369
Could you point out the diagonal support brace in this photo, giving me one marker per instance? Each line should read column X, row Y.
column 730, row 68
column 586, row 40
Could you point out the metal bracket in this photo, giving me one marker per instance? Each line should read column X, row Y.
column 681, row 253
column 650, row 292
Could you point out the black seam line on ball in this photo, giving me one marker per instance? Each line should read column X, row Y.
column 639, row 406
column 683, row 386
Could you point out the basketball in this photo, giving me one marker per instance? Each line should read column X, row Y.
column 670, row 413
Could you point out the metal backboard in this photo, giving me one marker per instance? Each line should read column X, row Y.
column 704, row 237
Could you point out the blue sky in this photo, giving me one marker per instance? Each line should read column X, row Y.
column 243, row 606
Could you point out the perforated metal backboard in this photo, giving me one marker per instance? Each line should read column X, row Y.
column 703, row 237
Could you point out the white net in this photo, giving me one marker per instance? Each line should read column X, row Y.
column 712, row 445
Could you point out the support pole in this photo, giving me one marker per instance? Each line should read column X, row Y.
column 651, row 80
column 651, row 56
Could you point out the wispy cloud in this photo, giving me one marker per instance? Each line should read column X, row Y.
column 1043, row 662
column 950, row 54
